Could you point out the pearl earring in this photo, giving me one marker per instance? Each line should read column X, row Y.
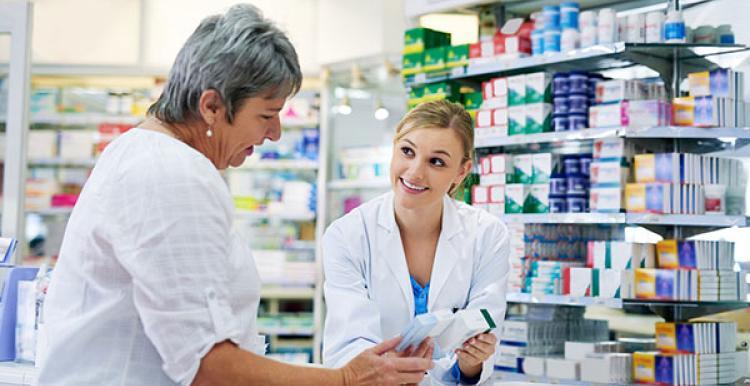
column 209, row 132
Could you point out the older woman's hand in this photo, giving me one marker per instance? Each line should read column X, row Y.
column 374, row 368
column 474, row 352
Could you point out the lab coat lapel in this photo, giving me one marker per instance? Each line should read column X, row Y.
column 391, row 249
column 447, row 252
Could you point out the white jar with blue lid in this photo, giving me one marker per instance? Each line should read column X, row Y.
column 551, row 15
column 569, row 11
column 552, row 40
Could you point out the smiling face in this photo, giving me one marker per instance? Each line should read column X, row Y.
column 426, row 163
column 254, row 121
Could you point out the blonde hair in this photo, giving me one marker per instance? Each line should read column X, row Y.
column 441, row 114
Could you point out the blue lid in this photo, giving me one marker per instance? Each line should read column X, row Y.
column 560, row 75
column 553, row 8
column 570, row 4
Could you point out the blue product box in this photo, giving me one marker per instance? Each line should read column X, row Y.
column 720, row 81
column 656, row 198
column 685, row 338
column 665, row 284
column 668, row 167
column 665, row 369
column 686, row 254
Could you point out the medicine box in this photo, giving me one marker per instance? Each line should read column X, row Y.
column 538, row 199
column 516, row 120
column 538, row 88
column 457, row 56
column 516, row 90
column 606, row 199
column 523, row 168
column 543, row 165
column 538, row 118
column 515, row 196
column 434, row 59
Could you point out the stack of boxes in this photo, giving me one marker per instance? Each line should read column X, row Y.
column 424, row 49
column 573, row 94
column 629, row 103
column 692, row 354
column 716, row 100
column 515, row 105
column 569, row 187
column 512, row 41
column 608, row 175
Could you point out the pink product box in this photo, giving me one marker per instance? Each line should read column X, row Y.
column 64, row 200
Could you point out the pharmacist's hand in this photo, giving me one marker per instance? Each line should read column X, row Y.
column 374, row 368
column 424, row 350
column 474, row 352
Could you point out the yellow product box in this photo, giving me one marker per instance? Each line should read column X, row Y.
column 434, row 59
column 416, row 95
column 667, row 254
column 645, row 283
column 635, row 198
column 645, row 167
column 411, row 64
column 644, row 367
column 683, row 111
column 457, row 56
column 419, row 39
column 666, row 337
column 699, row 84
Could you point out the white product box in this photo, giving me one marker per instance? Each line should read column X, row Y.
column 563, row 369
column 618, row 89
column 497, row 194
column 515, row 196
column 542, row 165
column 533, row 366
column 608, row 173
column 627, row 284
column 42, row 144
column 484, row 118
column 516, row 90
column 538, row 87
column 609, row 148
column 492, row 179
column 578, row 350
column 516, row 120
column 609, row 283
column 76, row 144
column 500, row 88
column 466, row 323
column 501, row 163
column 644, row 113
column 607, row 368
column 485, row 167
column 480, row 194
column 539, row 198
column 580, row 281
column 523, row 168
column 606, row 199
column 603, row 116
column 500, row 117
column 538, row 118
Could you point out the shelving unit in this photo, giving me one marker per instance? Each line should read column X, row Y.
column 374, row 183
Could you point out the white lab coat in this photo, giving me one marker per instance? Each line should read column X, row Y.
column 367, row 288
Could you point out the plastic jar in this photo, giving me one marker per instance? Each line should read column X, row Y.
column 558, row 204
column 607, row 26
column 569, row 11
column 636, row 28
column 578, row 122
column 552, row 40
column 579, row 82
column 551, row 15
column 674, row 27
column 654, row 27
column 705, row 34
column 577, row 184
column 579, row 104
column 560, row 122
column 577, row 203
column 587, row 19
column 557, row 185
column 569, row 40
column 560, row 84
column 586, row 164
column 724, row 34
column 715, row 202
column 560, row 105
column 571, row 165
column 537, row 42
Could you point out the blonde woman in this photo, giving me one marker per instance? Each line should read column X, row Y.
column 416, row 250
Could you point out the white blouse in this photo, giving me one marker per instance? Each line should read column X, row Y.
column 151, row 275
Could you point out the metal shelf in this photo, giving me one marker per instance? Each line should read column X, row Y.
column 625, row 132
column 257, row 215
column 83, row 119
column 375, row 183
column 526, row 7
column 563, row 300
column 287, row 293
column 12, row 373
column 658, row 56
column 60, row 162
column 706, row 220
column 513, row 379
column 282, row 164
column 54, row 211
column 565, row 218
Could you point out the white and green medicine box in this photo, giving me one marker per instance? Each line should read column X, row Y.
column 434, row 59
column 539, row 88
column 516, row 90
column 537, row 201
column 515, row 196
column 543, row 165
column 457, row 56
column 441, row 91
column 523, row 169
column 420, row 39
column 516, row 120
column 538, row 118
column 411, row 64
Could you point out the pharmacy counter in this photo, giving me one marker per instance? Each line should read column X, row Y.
column 17, row 374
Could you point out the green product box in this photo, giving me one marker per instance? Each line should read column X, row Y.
column 472, row 100
column 516, row 120
column 411, row 64
column 515, row 197
column 537, row 200
column 539, row 88
column 440, row 91
column 416, row 96
column 538, row 118
column 434, row 59
column 457, row 56
column 543, row 165
column 516, row 90
column 523, row 169
column 419, row 39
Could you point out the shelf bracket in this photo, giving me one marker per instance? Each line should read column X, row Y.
column 663, row 66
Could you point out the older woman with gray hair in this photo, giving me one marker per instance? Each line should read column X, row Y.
column 152, row 286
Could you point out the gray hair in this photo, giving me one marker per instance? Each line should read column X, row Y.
column 239, row 55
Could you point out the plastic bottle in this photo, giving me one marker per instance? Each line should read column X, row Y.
column 569, row 40
column 636, row 28
column 537, row 42
column 552, row 41
column 569, row 14
column 551, row 14
column 724, row 34
column 587, row 23
column 654, row 27
column 674, row 27
column 607, row 27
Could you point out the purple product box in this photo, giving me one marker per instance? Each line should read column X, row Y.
column 720, row 83
column 686, row 254
column 685, row 338
column 668, row 167
column 656, row 195
column 665, row 369
column 665, row 283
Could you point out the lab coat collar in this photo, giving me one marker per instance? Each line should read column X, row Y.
column 446, row 254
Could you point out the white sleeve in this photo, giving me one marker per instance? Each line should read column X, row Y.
column 171, row 226
column 352, row 320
